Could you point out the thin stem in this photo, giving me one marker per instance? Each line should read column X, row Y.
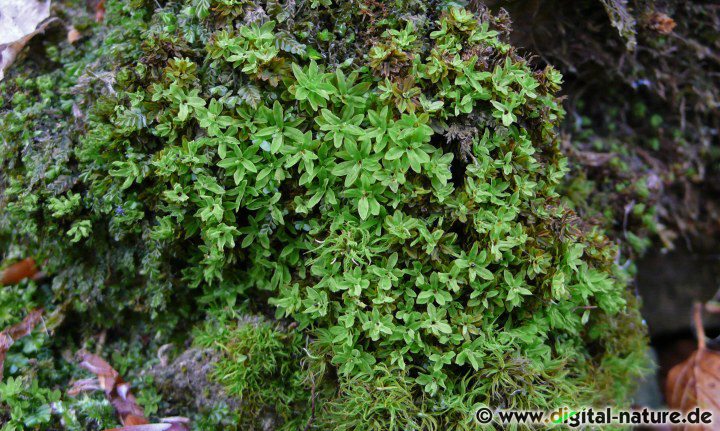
column 312, row 402
column 697, row 317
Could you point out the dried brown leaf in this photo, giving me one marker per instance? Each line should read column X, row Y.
column 15, row 332
column 96, row 365
column 73, row 35
column 19, row 271
column 100, row 11
column 148, row 427
column 118, row 392
column 696, row 382
column 177, row 423
column 26, row 326
column 5, row 342
column 661, row 23
column 20, row 20
column 84, row 385
column 133, row 420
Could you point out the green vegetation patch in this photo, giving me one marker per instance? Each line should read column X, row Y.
column 384, row 185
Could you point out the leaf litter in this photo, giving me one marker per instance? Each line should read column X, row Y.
column 696, row 381
column 118, row 393
column 20, row 20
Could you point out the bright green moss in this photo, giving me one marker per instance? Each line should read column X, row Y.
column 260, row 365
column 388, row 185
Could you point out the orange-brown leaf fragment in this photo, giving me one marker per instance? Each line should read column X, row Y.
column 73, row 35
column 661, row 23
column 26, row 326
column 177, row 423
column 696, row 381
column 15, row 332
column 5, row 342
column 117, row 391
column 100, row 11
column 19, row 271
column 149, row 427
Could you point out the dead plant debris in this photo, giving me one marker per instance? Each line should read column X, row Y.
column 15, row 332
column 117, row 391
column 696, row 381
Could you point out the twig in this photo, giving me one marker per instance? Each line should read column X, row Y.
column 697, row 317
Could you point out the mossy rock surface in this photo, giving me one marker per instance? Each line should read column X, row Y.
column 378, row 181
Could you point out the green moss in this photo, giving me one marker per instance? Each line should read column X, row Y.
column 389, row 185
column 260, row 365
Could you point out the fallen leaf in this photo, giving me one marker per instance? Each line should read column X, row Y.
column 5, row 342
column 21, row 17
column 152, row 427
column 9, row 335
column 26, row 326
column 100, row 11
column 661, row 23
column 19, row 271
column 134, row 420
column 20, row 20
column 117, row 391
column 176, row 423
column 73, row 35
column 696, row 382
column 84, row 385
